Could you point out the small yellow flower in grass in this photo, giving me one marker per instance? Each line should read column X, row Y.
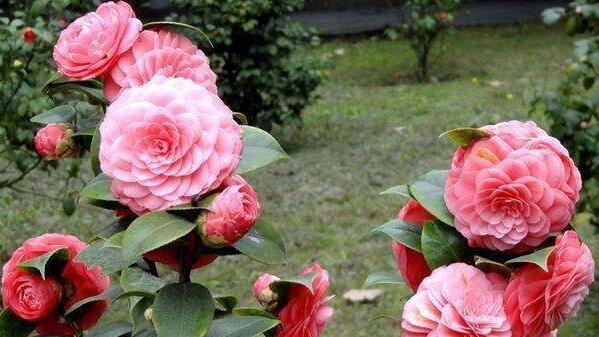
column 17, row 63
column 509, row 96
column 474, row 80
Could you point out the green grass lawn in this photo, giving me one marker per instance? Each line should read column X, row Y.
column 371, row 129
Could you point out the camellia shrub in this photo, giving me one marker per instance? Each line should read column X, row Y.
column 426, row 20
column 253, row 56
column 168, row 156
column 28, row 30
column 487, row 245
column 573, row 106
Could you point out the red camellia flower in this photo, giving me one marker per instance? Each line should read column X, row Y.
column 234, row 213
column 54, row 142
column 33, row 299
column 509, row 191
column 537, row 302
column 306, row 313
column 29, row 35
column 412, row 265
column 90, row 45
column 159, row 53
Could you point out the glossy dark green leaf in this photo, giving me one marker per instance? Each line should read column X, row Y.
column 463, row 137
column 281, row 286
column 429, row 191
column 59, row 114
column 96, row 95
column 399, row 189
column 404, row 232
column 13, row 326
column 263, row 244
column 141, row 326
column 245, row 326
column 108, row 257
column 228, row 303
column 98, row 188
column 259, row 149
column 136, row 280
column 151, row 231
column 79, row 308
column 256, row 312
column 118, row 329
column 94, row 152
column 490, row 266
column 539, row 257
column 183, row 310
column 50, row 264
column 383, row 278
column 442, row 245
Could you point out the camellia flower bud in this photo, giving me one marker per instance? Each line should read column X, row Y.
column 54, row 142
column 234, row 213
column 265, row 296
column 29, row 35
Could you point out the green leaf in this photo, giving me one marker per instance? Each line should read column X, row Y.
column 442, row 245
column 490, row 266
column 399, row 189
column 383, row 278
column 95, row 94
column 13, row 326
column 246, row 326
column 118, row 329
column 59, row 114
column 259, row 149
column 183, row 310
column 37, row 7
column 136, row 280
column 151, row 231
column 404, row 232
column 52, row 263
column 281, row 286
column 253, row 312
column 141, row 326
column 94, row 151
column 55, row 77
column 263, row 244
column 98, row 188
column 429, row 191
column 108, row 257
column 85, row 132
column 463, row 137
column 179, row 25
column 227, row 302
column 79, row 308
column 540, row 258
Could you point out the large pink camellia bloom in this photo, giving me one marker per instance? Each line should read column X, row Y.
column 159, row 53
column 457, row 300
column 508, row 192
column 90, row 45
column 234, row 213
column 55, row 295
column 411, row 263
column 306, row 313
column 538, row 302
column 166, row 141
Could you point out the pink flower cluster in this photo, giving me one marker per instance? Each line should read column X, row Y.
column 44, row 301
column 509, row 192
column 305, row 312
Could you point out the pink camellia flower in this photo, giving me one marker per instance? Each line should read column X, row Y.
column 30, row 297
column 54, row 142
column 411, row 263
column 167, row 141
column 29, row 35
column 265, row 296
column 537, row 302
column 306, row 313
column 508, row 192
column 457, row 300
column 76, row 283
column 90, row 45
column 234, row 213
column 159, row 53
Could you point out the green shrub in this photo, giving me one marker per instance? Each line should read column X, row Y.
column 426, row 20
column 253, row 56
column 573, row 107
column 24, row 67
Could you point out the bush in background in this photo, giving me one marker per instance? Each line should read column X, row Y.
column 253, row 56
column 573, row 107
column 426, row 20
